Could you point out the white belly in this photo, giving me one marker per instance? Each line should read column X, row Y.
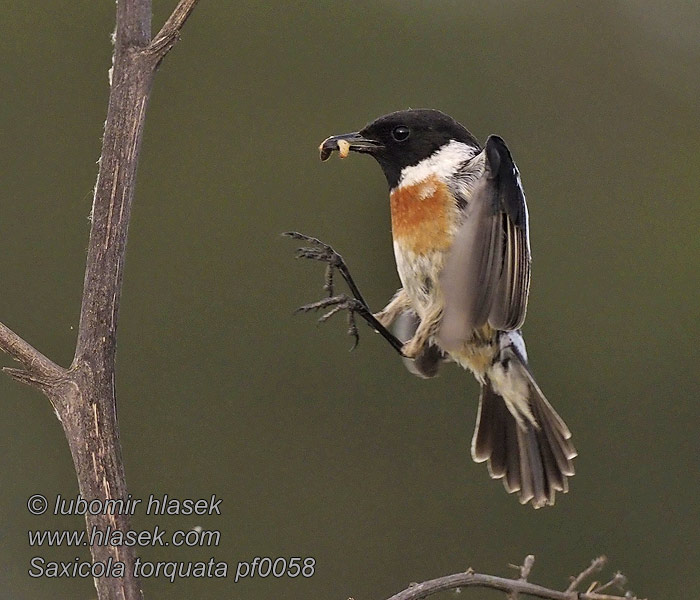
column 419, row 276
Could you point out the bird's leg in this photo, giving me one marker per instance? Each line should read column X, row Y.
column 426, row 329
column 398, row 304
column 355, row 305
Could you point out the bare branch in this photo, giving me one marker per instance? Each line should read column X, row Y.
column 525, row 570
column 169, row 34
column 618, row 580
column 528, row 563
column 133, row 23
column 84, row 396
column 510, row 586
column 36, row 364
column 596, row 565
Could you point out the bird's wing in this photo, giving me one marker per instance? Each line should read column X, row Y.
column 510, row 300
column 486, row 278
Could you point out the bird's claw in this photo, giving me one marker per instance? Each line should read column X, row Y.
column 337, row 304
column 321, row 252
column 355, row 304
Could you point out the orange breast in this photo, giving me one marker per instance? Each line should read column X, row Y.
column 421, row 216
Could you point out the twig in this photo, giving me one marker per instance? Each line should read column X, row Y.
column 510, row 586
column 35, row 363
column 528, row 563
column 169, row 34
column 596, row 565
column 618, row 580
column 524, row 569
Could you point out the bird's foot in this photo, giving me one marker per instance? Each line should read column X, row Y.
column 321, row 252
column 336, row 305
column 354, row 304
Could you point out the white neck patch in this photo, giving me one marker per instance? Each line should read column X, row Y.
column 443, row 163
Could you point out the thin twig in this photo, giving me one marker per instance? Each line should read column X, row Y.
column 525, row 570
column 619, row 581
column 596, row 565
column 528, row 563
column 166, row 38
column 36, row 364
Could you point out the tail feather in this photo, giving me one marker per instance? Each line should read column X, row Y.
column 528, row 476
column 497, row 460
column 488, row 425
column 562, row 452
column 532, row 456
column 511, row 481
column 553, row 472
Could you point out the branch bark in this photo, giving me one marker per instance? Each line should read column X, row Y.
column 514, row 587
column 84, row 395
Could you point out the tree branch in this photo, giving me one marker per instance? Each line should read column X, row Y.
column 35, row 363
column 517, row 586
column 84, row 396
column 169, row 34
column 133, row 23
column 595, row 566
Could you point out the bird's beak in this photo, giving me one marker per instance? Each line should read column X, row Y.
column 345, row 143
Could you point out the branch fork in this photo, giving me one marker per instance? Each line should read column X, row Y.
column 83, row 396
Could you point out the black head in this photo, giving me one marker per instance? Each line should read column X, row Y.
column 401, row 139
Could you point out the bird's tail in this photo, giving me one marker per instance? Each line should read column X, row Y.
column 524, row 440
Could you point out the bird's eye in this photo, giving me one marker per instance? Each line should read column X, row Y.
column 401, row 133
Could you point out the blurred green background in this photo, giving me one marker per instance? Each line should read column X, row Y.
column 316, row 451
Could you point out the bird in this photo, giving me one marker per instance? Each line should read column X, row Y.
column 459, row 223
